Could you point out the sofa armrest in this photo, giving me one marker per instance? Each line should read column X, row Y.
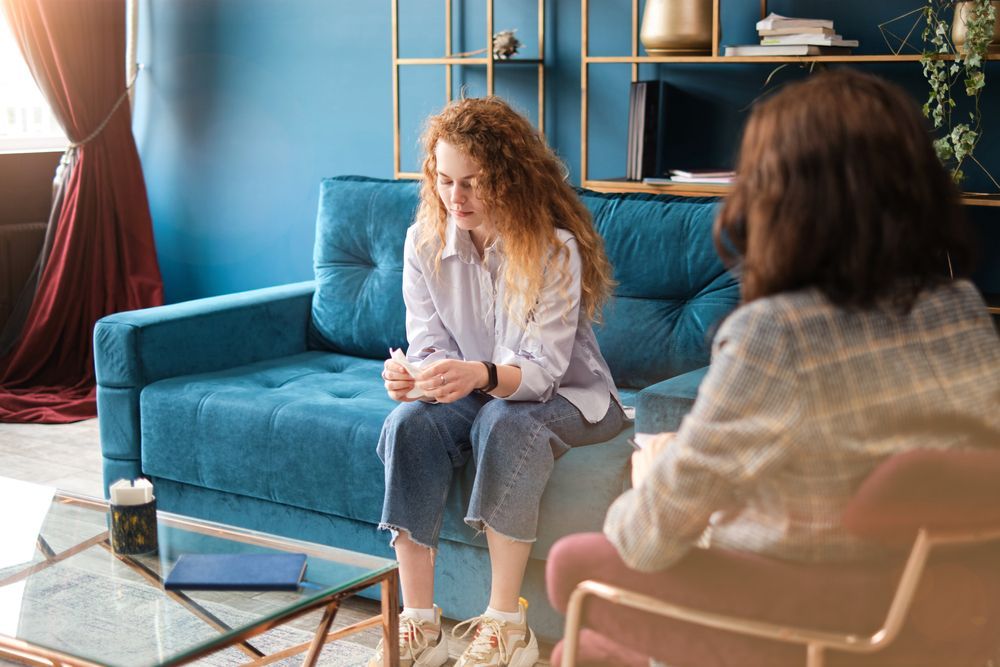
column 661, row 406
column 135, row 348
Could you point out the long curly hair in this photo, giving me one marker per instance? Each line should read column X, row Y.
column 523, row 186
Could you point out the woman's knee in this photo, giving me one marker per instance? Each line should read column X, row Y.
column 503, row 421
column 410, row 424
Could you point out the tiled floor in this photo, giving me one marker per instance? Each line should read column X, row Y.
column 68, row 457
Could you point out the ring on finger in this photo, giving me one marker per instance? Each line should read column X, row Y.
column 443, row 381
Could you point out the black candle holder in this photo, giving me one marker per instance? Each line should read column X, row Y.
column 133, row 528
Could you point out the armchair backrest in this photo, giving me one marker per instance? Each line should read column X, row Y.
column 941, row 490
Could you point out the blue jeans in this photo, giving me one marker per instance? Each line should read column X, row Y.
column 513, row 445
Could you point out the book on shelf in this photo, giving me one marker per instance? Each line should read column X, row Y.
column 786, row 50
column 693, row 176
column 703, row 173
column 815, row 40
column 645, row 129
column 633, row 92
column 662, row 180
column 802, row 30
column 653, row 180
column 777, row 30
column 774, row 21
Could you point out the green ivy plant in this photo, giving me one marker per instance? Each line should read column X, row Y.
column 958, row 139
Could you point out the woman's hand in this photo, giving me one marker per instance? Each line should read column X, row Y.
column 449, row 380
column 644, row 459
column 398, row 382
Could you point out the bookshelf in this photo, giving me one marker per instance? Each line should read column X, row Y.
column 450, row 60
column 634, row 59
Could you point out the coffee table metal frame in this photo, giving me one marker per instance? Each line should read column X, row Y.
column 387, row 579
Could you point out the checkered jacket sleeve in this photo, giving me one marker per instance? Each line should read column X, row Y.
column 739, row 429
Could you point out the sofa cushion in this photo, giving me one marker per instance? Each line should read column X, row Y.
column 672, row 289
column 358, row 261
column 301, row 431
column 298, row 430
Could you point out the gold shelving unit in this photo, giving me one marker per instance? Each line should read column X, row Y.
column 449, row 60
column 713, row 190
column 992, row 303
column 689, row 189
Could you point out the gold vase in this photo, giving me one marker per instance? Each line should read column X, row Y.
column 958, row 27
column 677, row 27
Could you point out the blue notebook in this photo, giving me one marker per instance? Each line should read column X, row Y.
column 237, row 572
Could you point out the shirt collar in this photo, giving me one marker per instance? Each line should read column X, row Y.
column 459, row 242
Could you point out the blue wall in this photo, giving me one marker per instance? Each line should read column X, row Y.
column 245, row 105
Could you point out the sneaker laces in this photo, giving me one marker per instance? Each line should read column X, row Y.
column 411, row 635
column 489, row 635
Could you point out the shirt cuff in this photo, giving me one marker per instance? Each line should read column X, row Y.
column 436, row 355
column 536, row 382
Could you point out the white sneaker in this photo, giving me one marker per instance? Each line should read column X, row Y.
column 499, row 643
column 421, row 643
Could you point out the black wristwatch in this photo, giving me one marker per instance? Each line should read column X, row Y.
column 492, row 382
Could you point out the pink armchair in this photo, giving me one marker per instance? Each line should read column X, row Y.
column 940, row 605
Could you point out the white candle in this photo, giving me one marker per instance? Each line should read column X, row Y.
column 131, row 492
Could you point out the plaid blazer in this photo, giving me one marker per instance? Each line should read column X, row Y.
column 802, row 401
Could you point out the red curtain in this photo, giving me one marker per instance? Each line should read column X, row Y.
column 102, row 258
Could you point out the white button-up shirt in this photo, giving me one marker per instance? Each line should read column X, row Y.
column 458, row 313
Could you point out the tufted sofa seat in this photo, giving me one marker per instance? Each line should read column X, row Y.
column 263, row 408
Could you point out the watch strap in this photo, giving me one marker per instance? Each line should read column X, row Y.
column 492, row 381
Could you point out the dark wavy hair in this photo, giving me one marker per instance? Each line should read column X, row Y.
column 838, row 187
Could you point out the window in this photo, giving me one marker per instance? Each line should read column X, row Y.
column 26, row 124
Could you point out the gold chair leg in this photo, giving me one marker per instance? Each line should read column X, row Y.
column 815, row 657
column 571, row 637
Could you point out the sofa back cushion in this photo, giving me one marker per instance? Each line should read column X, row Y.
column 672, row 289
column 357, row 308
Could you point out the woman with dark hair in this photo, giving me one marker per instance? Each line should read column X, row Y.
column 859, row 336
column 503, row 275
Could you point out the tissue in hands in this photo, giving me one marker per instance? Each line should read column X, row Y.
column 400, row 358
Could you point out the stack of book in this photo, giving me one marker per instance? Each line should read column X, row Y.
column 704, row 176
column 785, row 36
column 645, row 107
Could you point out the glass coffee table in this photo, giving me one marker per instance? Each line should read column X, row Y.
column 67, row 598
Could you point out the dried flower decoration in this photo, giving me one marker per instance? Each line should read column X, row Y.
column 505, row 45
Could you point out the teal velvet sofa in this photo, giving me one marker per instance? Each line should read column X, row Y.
column 263, row 408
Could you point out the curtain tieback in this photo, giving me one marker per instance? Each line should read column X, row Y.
column 70, row 153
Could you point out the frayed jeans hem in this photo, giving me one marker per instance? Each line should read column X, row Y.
column 480, row 527
column 396, row 530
